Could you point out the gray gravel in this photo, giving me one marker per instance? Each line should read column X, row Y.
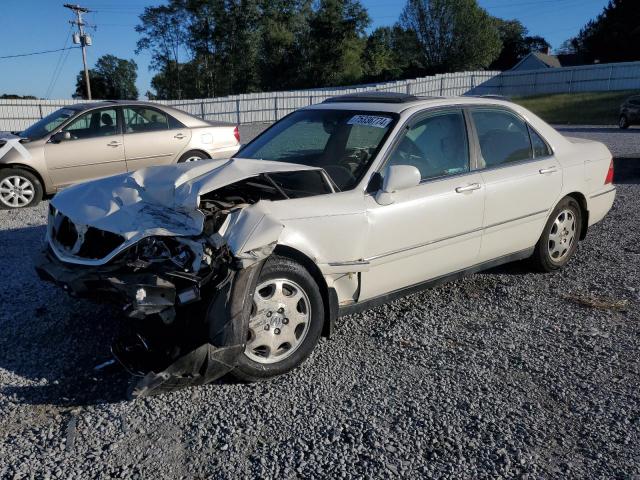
column 622, row 143
column 502, row 374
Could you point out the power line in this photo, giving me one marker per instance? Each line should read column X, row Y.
column 54, row 75
column 37, row 53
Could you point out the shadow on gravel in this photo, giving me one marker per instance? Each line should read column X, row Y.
column 74, row 392
column 50, row 343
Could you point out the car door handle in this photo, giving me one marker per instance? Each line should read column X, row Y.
column 468, row 188
column 115, row 143
column 179, row 136
column 544, row 171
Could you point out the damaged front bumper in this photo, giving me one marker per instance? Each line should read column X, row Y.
column 169, row 354
column 140, row 294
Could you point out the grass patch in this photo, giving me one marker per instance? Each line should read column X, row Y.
column 589, row 108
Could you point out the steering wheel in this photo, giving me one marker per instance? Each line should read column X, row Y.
column 340, row 174
column 408, row 153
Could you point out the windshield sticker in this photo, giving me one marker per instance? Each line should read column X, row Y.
column 13, row 141
column 370, row 121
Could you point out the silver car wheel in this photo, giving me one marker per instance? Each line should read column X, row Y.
column 279, row 322
column 562, row 235
column 193, row 158
column 16, row 191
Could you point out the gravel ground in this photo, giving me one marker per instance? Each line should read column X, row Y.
column 503, row 374
column 622, row 143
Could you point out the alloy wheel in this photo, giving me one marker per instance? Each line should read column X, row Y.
column 16, row 191
column 562, row 235
column 279, row 321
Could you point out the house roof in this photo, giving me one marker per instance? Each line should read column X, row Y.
column 549, row 60
column 552, row 61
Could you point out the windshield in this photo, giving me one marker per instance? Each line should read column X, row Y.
column 343, row 142
column 48, row 124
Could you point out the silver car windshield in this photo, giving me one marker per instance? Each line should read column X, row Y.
column 342, row 142
column 48, row 124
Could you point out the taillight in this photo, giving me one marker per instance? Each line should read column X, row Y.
column 236, row 133
column 609, row 178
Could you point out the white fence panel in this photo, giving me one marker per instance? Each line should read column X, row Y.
column 271, row 106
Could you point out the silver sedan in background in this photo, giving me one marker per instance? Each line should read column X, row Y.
column 92, row 140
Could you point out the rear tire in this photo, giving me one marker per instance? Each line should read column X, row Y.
column 623, row 123
column 285, row 322
column 559, row 239
column 192, row 156
column 19, row 189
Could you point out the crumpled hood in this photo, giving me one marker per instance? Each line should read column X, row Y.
column 160, row 200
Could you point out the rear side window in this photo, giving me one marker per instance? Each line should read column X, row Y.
column 141, row 119
column 540, row 147
column 437, row 146
column 504, row 138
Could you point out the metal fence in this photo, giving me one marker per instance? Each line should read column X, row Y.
column 257, row 107
column 268, row 107
column 587, row 78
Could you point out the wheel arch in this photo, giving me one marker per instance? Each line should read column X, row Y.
column 29, row 169
column 584, row 211
column 193, row 150
column 329, row 295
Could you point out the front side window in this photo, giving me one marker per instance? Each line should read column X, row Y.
column 93, row 124
column 504, row 137
column 141, row 119
column 437, row 146
column 342, row 142
column 48, row 124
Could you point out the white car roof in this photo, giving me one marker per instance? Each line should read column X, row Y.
column 411, row 105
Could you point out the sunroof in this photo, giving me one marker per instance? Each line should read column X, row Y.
column 373, row 97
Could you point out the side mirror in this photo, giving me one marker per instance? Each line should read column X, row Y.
column 396, row 178
column 61, row 137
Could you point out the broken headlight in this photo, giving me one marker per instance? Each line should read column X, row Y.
column 160, row 249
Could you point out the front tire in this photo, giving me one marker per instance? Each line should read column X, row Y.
column 19, row 189
column 559, row 239
column 285, row 322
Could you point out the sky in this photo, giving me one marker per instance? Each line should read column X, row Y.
column 37, row 25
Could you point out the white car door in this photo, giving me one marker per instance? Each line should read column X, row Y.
column 433, row 229
column 522, row 179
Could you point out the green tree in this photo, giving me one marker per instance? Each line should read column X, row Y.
column 455, row 35
column 516, row 43
column 112, row 78
column 392, row 53
column 163, row 32
column 13, row 96
column 614, row 36
column 284, row 44
column 336, row 42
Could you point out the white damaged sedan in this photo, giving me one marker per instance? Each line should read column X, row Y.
column 241, row 265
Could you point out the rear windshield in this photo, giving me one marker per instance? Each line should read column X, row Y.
column 343, row 142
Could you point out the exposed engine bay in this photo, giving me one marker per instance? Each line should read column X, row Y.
column 182, row 292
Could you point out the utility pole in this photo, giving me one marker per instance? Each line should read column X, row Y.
column 82, row 39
